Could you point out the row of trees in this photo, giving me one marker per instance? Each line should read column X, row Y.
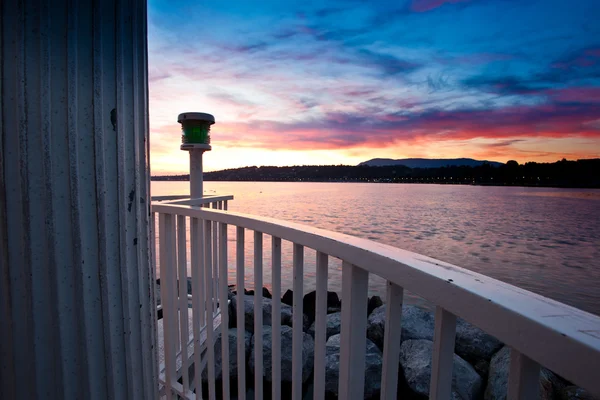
column 580, row 173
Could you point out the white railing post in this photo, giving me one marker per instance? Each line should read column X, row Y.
column 209, row 308
column 524, row 377
column 223, row 303
column 443, row 353
column 276, row 322
column 355, row 284
column 297, row 321
column 391, row 341
column 320, row 326
column 183, row 299
column 215, row 265
column 169, row 294
column 258, row 315
column 241, row 345
column 198, row 306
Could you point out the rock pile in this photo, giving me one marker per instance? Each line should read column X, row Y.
column 480, row 364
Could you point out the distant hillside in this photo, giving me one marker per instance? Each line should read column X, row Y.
column 580, row 173
column 428, row 162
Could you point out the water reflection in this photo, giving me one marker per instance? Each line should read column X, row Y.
column 544, row 240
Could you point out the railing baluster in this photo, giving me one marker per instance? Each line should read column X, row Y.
column 225, row 205
column 355, row 284
column 153, row 241
column 391, row 341
column 297, row 321
column 241, row 342
column 258, row 315
column 223, row 302
column 209, row 314
column 215, row 266
column 183, row 299
column 320, row 326
column 524, row 377
column 443, row 353
column 276, row 322
column 168, row 292
column 197, row 254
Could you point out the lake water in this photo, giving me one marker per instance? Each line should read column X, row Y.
column 541, row 239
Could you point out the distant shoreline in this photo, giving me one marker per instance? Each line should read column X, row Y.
column 160, row 179
column 561, row 174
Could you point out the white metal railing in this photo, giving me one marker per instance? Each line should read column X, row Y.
column 540, row 331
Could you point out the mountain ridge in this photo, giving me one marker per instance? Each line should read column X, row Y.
column 428, row 162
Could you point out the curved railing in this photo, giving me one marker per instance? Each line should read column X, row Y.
column 540, row 331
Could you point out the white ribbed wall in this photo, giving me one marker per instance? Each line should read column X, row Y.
column 76, row 299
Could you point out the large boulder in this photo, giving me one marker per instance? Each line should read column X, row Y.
column 308, row 350
column 373, row 367
column 333, row 345
column 473, row 344
column 575, row 393
column 498, row 378
column 373, row 303
column 417, row 323
column 286, row 316
column 334, row 325
column 310, row 300
column 415, row 361
column 233, row 364
column 157, row 294
column 266, row 294
column 288, row 297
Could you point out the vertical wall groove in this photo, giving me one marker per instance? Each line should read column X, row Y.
column 7, row 370
column 76, row 284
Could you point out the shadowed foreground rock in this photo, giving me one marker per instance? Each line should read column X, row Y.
column 267, row 309
column 373, row 367
column 334, row 325
column 416, row 324
column 415, row 360
column 233, row 364
column 575, row 393
column 498, row 378
column 308, row 351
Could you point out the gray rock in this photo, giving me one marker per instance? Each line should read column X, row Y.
column 575, row 393
column 267, row 308
column 498, row 378
column 373, row 303
column 415, row 361
column 308, row 350
column 233, row 364
column 473, row 344
column 157, row 294
column 334, row 325
column 334, row 342
column 416, row 324
column 373, row 368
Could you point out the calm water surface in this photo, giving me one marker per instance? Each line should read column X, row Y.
column 541, row 239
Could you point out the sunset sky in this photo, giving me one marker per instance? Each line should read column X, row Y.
column 339, row 82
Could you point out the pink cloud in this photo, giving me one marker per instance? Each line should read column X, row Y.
column 428, row 5
column 576, row 95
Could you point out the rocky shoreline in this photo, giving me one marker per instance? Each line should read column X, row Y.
column 480, row 366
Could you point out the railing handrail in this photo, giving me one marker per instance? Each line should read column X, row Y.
column 187, row 200
column 560, row 337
